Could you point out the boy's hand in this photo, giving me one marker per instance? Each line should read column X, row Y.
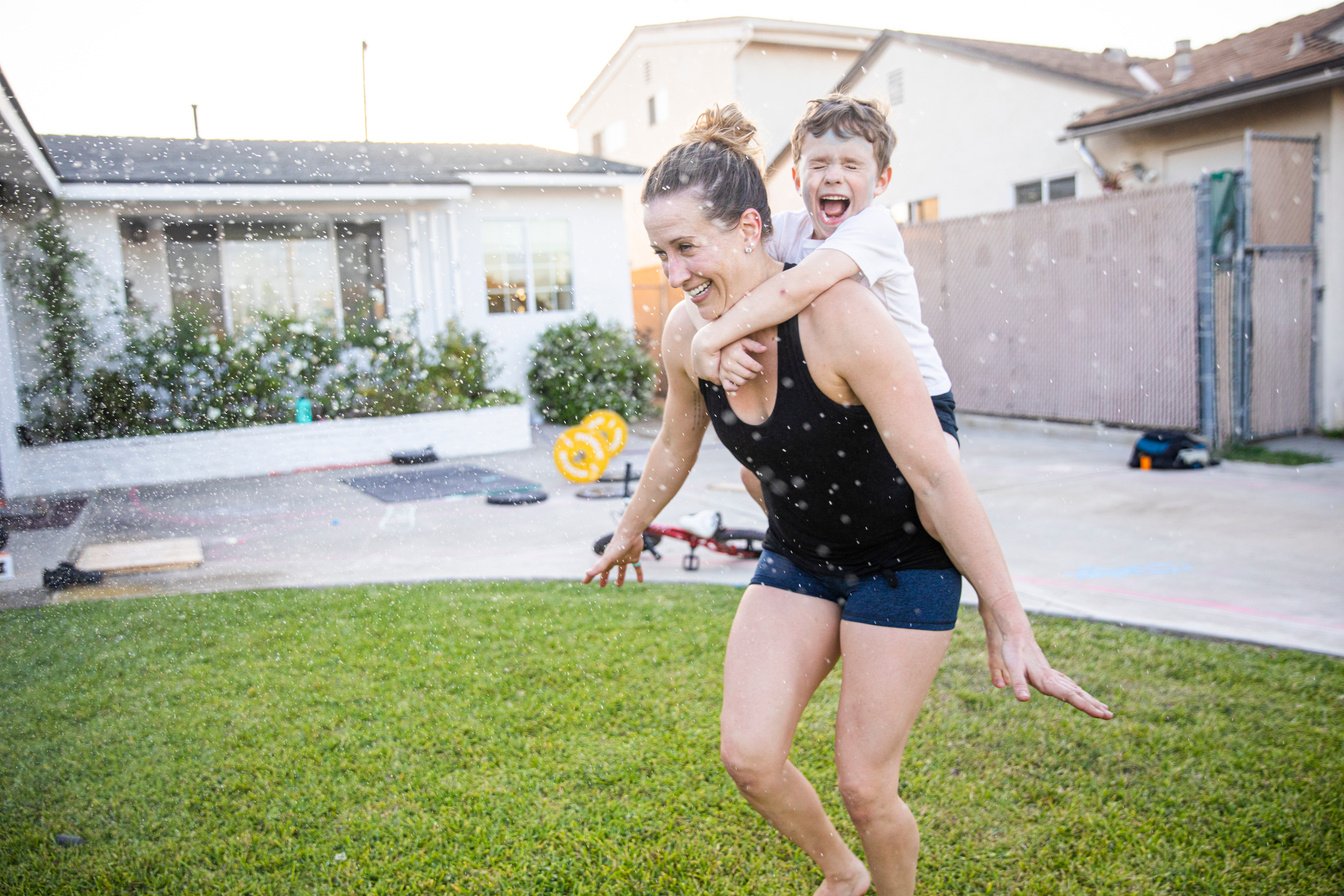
column 736, row 364
column 704, row 363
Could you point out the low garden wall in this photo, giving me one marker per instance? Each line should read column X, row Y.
column 261, row 450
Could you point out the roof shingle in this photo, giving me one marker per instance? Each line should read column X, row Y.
column 147, row 160
column 1292, row 48
column 1101, row 69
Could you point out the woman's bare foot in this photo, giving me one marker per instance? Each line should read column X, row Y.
column 855, row 883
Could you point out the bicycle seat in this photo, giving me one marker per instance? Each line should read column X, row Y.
column 703, row 523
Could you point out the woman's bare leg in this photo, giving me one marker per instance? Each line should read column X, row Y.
column 782, row 646
column 887, row 674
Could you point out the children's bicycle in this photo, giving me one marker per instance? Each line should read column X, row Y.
column 699, row 530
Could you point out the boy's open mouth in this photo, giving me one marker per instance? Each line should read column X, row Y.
column 833, row 208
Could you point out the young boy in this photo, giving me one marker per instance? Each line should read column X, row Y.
column 841, row 160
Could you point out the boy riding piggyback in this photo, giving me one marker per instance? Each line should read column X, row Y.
column 842, row 150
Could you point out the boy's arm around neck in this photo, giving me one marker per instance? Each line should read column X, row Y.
column 777, row 299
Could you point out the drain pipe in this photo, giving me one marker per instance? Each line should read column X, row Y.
column 1109, row 182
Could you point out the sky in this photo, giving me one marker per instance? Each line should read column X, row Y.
column 479, row 71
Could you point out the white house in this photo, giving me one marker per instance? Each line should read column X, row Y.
column 985, row 127
column 650, row 92
column 976, row 121
column 507, row 240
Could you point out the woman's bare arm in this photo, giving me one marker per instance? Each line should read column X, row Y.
column 862, row 350
column 671, row 456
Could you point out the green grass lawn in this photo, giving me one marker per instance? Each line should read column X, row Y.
column 1262, row 455
column 541, row 738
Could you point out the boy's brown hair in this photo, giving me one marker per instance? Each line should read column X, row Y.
column 848, row 117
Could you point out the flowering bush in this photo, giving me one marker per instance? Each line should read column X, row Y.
column 185, row 376
column 583, row 366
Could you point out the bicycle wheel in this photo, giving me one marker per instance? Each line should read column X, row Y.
column 650, row 542
column 742, row 542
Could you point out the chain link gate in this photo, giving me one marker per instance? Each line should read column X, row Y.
column 1265, row 293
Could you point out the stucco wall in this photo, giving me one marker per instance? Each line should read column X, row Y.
column 775, row 82
column 9, row 370
column 261, row 450
column 967, row 131
column 1330, row 323
column 693, row 74
column 769, row 81
column 601, row 269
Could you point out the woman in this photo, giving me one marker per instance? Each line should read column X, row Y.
column 857, row 482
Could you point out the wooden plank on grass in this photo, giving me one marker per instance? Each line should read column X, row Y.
column 155, row 555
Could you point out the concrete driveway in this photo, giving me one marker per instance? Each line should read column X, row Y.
column 1240, row 551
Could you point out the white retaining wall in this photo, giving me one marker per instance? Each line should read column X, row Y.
column 261, row 450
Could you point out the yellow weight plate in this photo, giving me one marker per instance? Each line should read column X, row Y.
column 611, row 427
column 580, row 454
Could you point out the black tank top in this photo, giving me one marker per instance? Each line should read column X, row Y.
column 835, row 500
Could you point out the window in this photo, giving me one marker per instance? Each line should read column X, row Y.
column 278, row 269
column 359, row 258
column 613, row 137
column 233, row 271
column 528, row 266
column 1050, row 189
column 1060, row 188
column 896, row 86
column 192, row 250
column 658, row 107
column 924, row 210
column 1028, row 192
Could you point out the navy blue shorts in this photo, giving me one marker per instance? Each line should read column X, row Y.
column 946, row 409
column 909, row 598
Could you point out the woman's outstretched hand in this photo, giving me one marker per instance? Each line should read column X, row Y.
column 1019, row 663
column 619, row 554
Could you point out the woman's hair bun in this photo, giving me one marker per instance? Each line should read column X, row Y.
column 726, row 126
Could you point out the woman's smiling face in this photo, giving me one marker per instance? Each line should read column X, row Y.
column 698, row 256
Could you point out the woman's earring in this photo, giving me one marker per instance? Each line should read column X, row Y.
column 748, row 248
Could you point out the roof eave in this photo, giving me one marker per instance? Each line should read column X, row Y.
column 954, row 45
column 17, row 123
column 559, row 181
column 740, row 29
column 151, row 192
column 857, row 68
column 1207, row 105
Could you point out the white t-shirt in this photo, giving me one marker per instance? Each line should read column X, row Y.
column 873, row 242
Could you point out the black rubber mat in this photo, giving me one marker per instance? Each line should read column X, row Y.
column 438, row 482
column 42, row 513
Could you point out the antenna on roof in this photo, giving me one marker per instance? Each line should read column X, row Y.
column 364, row 84
column 195, row 123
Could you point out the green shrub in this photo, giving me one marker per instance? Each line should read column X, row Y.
column 460, row 370
column 44, row 270
column 182, row 375
column 116, row 406
column 195, row 378
column 584, row 366
column 379, row 372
